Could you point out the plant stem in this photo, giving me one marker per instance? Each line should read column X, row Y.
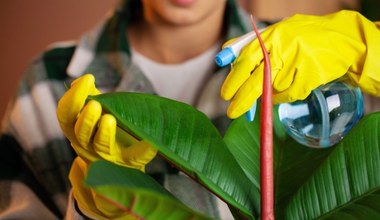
column 266, row 137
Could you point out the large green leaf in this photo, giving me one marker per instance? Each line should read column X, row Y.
column 341, row 182
column 136, row 194
column 347, row 183
column 188, row 139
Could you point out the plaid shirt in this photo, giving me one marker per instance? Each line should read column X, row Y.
column 36, row 157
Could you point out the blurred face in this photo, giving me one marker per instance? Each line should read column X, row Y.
column 180, row 12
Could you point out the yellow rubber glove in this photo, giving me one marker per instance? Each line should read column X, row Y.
column 306, row 52
column 90, row 203
column 95, row 135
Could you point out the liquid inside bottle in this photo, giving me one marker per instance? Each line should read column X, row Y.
column 325, row 116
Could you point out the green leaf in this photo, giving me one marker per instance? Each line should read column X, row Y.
column 341, row 182
column 347, row 183
column 186, row 138
column 136, row 194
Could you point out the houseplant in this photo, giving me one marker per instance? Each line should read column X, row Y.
column 339, row 182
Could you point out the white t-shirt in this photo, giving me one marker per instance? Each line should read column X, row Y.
column 181, row 82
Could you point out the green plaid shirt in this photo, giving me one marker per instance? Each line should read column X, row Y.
column 35, row 156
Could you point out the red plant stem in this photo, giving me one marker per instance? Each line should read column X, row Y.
column 266, row 137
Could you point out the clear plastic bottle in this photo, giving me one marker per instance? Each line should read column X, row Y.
column 325, row 116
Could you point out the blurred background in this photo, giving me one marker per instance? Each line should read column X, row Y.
column 28, row 27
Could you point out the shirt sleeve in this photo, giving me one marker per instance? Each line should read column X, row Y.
column 35, row 156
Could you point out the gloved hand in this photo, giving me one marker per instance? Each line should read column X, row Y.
column 95, row 135
column 306, row 52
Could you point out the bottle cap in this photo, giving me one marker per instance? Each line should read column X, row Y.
column 225, row 57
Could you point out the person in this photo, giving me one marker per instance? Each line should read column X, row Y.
column 164, row 48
